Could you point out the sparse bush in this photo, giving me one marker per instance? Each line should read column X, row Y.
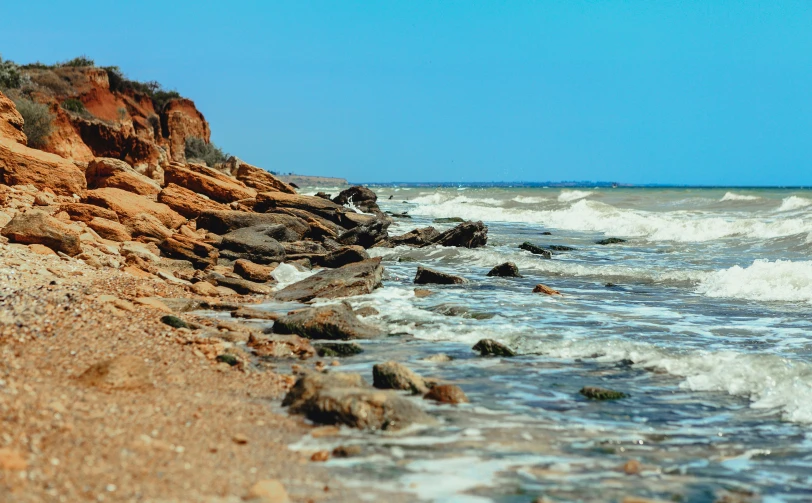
column 160, row 98
column 52, row 82
column 122, row 113
column 155, row 122
column 209, row 153
column 38, row 121
column 78, row 62
column 76, row 106
column 10, row 76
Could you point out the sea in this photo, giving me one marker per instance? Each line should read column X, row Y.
column 701, row 316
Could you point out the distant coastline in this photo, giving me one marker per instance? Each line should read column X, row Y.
column 583, row 184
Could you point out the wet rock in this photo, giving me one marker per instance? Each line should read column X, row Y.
column 632, row 467
column 393, row 375
column 239, row 285
column 336, row 322
column 258, row 243
column 439, row 358
column 109, row 229
column 467, row 235
column 426, row 276
column 546, row 233
column 546, row 290
column 446, row 393
column 489, row 347
column 535, row 250
column 367, row 311
column 109, row 172
column 121, row 372
column 253, row 272
column 366, row 235
column 207, row 181
column 561, row 248
column 338, row 349
column 37, row 227
column 357, row 278
column 596, row 393
column 324, row 195
column 422, row 293
column 448, row 220
column 361, row 197
column 506, row 270
column 188, row 203
column 256, row 314
column 343, row 256
column 416, row 237
column 174, row 322
column 610, row 241
column 199, row 253
column 460, row 311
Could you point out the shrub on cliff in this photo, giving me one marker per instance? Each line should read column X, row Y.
column 10, row 76
column 38, row 121
column 120, row 83
column 76, row 106
column 79, row 61
column 198, row 149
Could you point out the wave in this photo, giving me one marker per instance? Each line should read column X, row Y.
column 567, row 196
column 732, row 196
column 529, row 199
column 794, row 203
column 782, row 280
column 440, row 198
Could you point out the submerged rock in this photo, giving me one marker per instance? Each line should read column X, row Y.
column 506, row 270
column 336, row 321
column 596, row 393
column 541, row 288
column 489, row 347
column 610, row 241
column 446, row 393
column 535, row 250
column 561, row 248
column 460, row 311
column 467, row 235
column 393, row 375
column 426, row 276
column 338, row 349
column 448, row 220
column 357, row 278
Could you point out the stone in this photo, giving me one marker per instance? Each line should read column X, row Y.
column 188, row 203
column 343, row 256
column 254, row 314
column 448, row 220
column 41, row 249
column 121, row 372
column 205, row 289
column 281, row 346
column 109, row 229
column 332, row 322
column 272, row 201
column 446, row 393
column 43, row 199
column 256, row 244
column 268, row 491
column 596, row 393
column 362, row 198
column 146, row 225
column 223, row 222
column 174, row 321
column 86, row 212
column 447, row 309
column 489, row 347
column 11, row 122
column 561, row 248
column 129, row 206
column 546, row 290
column 535, row 250
column 394, row 375
column 358, row 278
column 416, row 237
column 367, row 311
column 632, row 467
column 109, row 172
column 207, row 181
column 239, row 285
column 257, row 178
column 21, row 165
column 366, row 235
column 427, row 276
column 304, row 249
column 338, row 349
column 467, row 235
column 506, row 270
column 422, row 293
column 37, row 227
column 199, row 253
column 347, row 451
column 11, row 460
column 253, row 272
column 610, row 241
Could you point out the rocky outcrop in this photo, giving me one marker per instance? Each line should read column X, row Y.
column 366, row 235
column 416, row 237
column 358, row 278
column 180, row 120
column 256, row 178
column 342, row 256
column 119, row 141
column 360, row 197
column 222, row 222
column 37, row 227
column 208, row 182
column 180, row 246
column 394, row 375
column 86, row 212
column 253, row 272
column 270, row 201
column 109, row 172
column 427, row 276
column 146, row 225
column 20, row 165
column 129, row 206
column 110, row 229
column 490, row 347
column 536, row 250
column 467, row 235
column 11, row 122
column 257, row 243
column 506, row 270
column 333, row 322
column 188, row 203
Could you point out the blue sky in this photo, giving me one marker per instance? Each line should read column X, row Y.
column 704, row 92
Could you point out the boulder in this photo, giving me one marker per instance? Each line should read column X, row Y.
column 253, row 272
column 596, row 393
column 257, row 178
column 207, row 181
column 304, row 249
column 146, row 225
column 610, row 241
column 239, row 285
column 188, row 203
column 427, row 276
column 333, row 322
column 37, row 227
column 109, row 229
column 535, row 250
column 319, row 227
column 416, row 237
column 489, row 347
column 128, row 206
column 222, row 222
column 506, row 270
column 272, row 201
column 546, row 290
column 11, row 122
column 109, row 172
column 87, row 212
column 366, row 235
column 394, row 375
column 180, row 246
column 467, row 235
column 360, row 197
column 21, row 165
column 343, row 256
column 257, row 243
column 347, row 399
column 357, row 278
column 446, row 393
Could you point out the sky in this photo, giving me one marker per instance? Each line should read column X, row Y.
column 678, row 92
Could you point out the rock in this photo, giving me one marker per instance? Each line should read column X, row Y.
column 320, row 227
column 357, row 278
column 561, row 248
column 367, row 311
column 128, row 206
column 461, row 311
column 323, row 195
column 347, row 451
column 257, row 243
column 438, row 358
column 21, row 165
column 360, row 197
column 304, row 249
column 87, row 212
column 109, row 229
column 535, row 250
column 596, row 393
column 239, row 285
column 422, row 293
column 199, row 253
column 121, row 372
column 268, row 491
column 343, row 256
column 489, row 347
column 271, row 201
column 632, row 467
column 506, row 270
column 332, row 322
column 223, row 222
column 257, row 178
column 174, row 321
column 11, row 122
column 188, row 203
column 338, row 349
column 253, row 272
column 281, row 346
column 540, row 288
column 41, row 249
column 446, row 393
column 180, row 120
column 11, row 460
column 610, row 241
column 448, row 220
column 43, row 199
column 205, row 289
column 255, row 314
column 37, row 227
column 467, row 235
column 366, row 235
column 393, row 375
column 108, row 172
column 347, row 399
column 208, row 181
column 546, row 233
column 146, row 225
column 427, row 276
column 416, row 237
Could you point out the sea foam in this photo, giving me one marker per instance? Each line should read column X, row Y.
column 781, row 280
column 567, row 196
column 732, row 196
column 794, row 203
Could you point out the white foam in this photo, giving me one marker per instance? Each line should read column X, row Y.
column 794, row 203
column 781, row 280
column 567, row 196
column 732, row 196
column 529, row 199
column 287, row 274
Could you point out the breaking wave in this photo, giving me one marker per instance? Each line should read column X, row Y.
column 781, row 280
column 567, row 196
column 794, row 203
column 732, row 196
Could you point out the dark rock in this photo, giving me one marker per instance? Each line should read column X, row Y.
column 343, row 256
column 426, row 276
column 253, row 272
column 595, row 393
column 38, row 227
column 446, row 393
column 257, row 244
column 182, row 247
column 416, row 237
column 174, row 321
column 347, row 451
column 273, row 202
column 398, row 215
column 448, row 220
column 333, row 322
column 304, row 248
column 460, row 311
column 239, row 285
column 323, row 195
column 222, row 222
column 227, row 358
column 610, row 241
column 561, row 248
column 339, row 349
column 506, row 270
column 535, row 250
column 357, row 278
column 366, row 235
column 393, row 375
column 467, row 235
column 489, row 347
column 546, row 233
column 360, row 197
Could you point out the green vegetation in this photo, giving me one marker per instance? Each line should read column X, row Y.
column 209, row 153
column 76, row 106
column 159, row 96
column 38, row 121
column 79, row 61
column 10, row 76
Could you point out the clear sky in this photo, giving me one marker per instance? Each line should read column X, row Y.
column 696, row 92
